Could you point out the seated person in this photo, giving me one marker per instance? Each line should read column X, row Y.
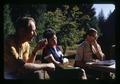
column 52, row 53
column 18, row 62
column 89, row 50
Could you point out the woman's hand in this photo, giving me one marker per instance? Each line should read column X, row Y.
column 65, row 60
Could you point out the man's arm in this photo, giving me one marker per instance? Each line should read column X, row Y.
column 39, row 46
column 98, row 51
column 33, row 66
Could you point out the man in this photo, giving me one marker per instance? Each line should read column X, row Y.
column 89, row 50
column 18, row 62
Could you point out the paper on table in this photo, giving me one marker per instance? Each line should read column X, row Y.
column 105, row 62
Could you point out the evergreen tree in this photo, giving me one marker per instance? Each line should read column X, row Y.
column 101, row 21
column 109, row 36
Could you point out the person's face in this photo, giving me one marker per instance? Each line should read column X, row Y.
column 92, row 37
column 53, row 40
column 31, row 30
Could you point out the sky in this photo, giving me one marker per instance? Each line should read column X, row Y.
column 105, row 7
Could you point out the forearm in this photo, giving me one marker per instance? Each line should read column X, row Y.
column 99, row 52
column 32, row 66
column 32, row 57
column 51, row 59
column 100, row 55
column 39, row 46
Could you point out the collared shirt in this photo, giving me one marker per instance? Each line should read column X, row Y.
column 84, row 52
column 12, row 52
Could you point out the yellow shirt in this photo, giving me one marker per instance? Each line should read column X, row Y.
column 13, row 52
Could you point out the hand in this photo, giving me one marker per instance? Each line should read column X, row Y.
column 94, row 43
column 95, row 60
column 51, row 65
column 65, row 60
column 41, row 44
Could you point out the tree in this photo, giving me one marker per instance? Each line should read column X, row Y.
column 67, row 36
column 89, row 13
column 54, row 19
column 101, row 21
column 65, row 22
column 94, row 23
column 8, row 25
column 109, row 36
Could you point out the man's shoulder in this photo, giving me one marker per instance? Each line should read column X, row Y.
column 82, row 44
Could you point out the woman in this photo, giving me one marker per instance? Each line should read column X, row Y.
column 53, row 54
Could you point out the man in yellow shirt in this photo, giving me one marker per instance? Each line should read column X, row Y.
column 18, row 62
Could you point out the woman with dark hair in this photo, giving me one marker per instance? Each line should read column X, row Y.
column 53, row 54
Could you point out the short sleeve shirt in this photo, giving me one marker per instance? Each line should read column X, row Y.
column 84, row 52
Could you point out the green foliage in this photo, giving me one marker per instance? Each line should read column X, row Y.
column 66, row 23
column 55, row 19
column 67, row 34
column 40, row 21
column 95, row 24
column 8, row 25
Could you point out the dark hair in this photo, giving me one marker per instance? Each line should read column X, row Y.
column 90, row 32
column 22, row 22
column 48, row 33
